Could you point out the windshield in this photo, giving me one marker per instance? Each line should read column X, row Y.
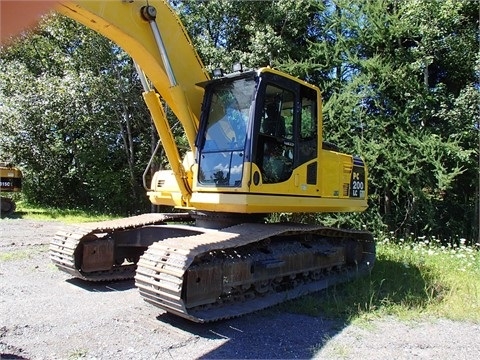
column 228, row 115
column 223, row 150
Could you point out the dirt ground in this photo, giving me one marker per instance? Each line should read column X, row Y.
column 45, row 314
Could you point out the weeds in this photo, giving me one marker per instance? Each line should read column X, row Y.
column 412, row 277
column 21, row 254
column 14, row 255
column 77, row 354
column 27, row 211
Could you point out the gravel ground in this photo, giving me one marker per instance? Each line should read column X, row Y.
column 45, row 314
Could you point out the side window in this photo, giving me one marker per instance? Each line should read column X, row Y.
column 277, row 116
column 275, row 147
column 308, row 141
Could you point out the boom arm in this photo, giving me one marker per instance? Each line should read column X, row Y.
column 133, row 27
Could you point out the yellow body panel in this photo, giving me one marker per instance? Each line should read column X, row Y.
column 10, row 178
column 270, row 203
column 293, row 195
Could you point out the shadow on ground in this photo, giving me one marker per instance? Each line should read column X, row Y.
column 102, row 286
column 302, row 327
column 15, row 215
column 268, row 334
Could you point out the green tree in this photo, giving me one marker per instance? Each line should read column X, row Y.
column 254, row 33
column 73, row 117
column 385, row 90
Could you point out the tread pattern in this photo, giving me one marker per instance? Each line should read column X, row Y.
column 161, row 270
column 67, row 240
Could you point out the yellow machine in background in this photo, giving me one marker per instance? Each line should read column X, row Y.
column 10, row 181
column 256, row 148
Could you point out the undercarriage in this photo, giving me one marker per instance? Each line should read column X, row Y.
column 205, row 274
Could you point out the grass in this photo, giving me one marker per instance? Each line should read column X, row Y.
column 411, row 278
column 32, row 212
column 22, row 254
column 77, row 354
column 15, row 255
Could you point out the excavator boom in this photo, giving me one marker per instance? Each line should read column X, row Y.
column 152, row 44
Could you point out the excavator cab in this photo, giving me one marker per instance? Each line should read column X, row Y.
column 259, row 149
column 246, row 122
column 222, row 142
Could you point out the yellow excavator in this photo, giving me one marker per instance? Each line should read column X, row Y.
column 256, row 148
column 10, row 181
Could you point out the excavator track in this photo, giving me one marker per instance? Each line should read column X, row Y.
column 67, row 247
column 248, row 267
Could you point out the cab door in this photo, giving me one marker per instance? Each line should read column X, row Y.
column 285, row 149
